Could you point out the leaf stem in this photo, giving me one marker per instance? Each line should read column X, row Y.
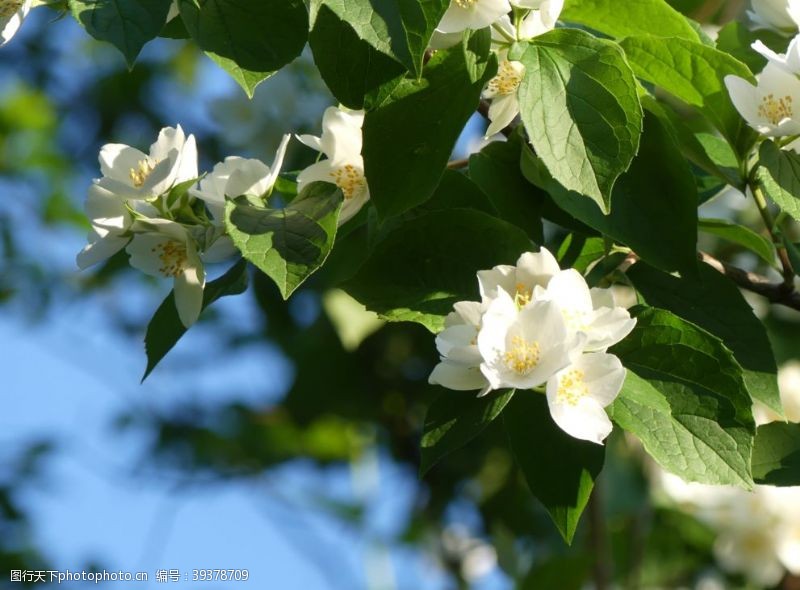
column 774, row 232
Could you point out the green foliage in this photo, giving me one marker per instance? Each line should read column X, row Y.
column 166, row 328
column 251, row 39
column 634, row 17
column 712, row 302
column 741, row 235
column 454, row 419
column 400, row 29
column 127, row 24
column 776, row 454
column 560, row 470
column 685, row 398
column 580, row 107
column 692, row 72
column 414, row 125
column 288, row 244
column 779, row 174
column 425, row 265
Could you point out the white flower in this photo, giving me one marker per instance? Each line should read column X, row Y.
column 542, row 18
column 592, row 312
column 789, row 61
column 533, row 269
column 578, row 394
column 789, row 386
column 168, row 250
column 134, row 175
column 457, row 344
column 110, row 221
column 341, row 142
column 12, row 13
column 782, row 15
column 502, row 90
column 472, row 14
column 523, row 348
column 770, row 107
column 236, row 177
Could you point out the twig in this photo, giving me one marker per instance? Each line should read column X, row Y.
column 769, row 221
column 458, row 164
column 597, row 540
column 781, row 293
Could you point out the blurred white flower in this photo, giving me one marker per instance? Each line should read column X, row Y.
column 770, row 107
column 12, row 13
column 578, row 395
column 781, row 15
column 341, row 142
column 163, row 248
column 789, row 386
column 788, row 62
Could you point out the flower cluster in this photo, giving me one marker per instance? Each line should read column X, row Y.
column 145, row 204
column 758, row 532
column 530, row 19
column 537, row 325
column 772, row 106
column 780, row 15
column 171, row 222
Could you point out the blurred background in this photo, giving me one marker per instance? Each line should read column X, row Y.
column 281, row 438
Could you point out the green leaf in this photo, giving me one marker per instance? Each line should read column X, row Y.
column 692, row 72
column 654, row 205
column 415, row 126
column 714, row 303
column 166, row 328
column 687, row 401
column 579, row 252
column 776, row 455
column 288, row 244
column 127, row 24
column 560, row 470
column 251, row 39
column 427, row 264
column 580, row 106
column 738, row 234
column 454, row 419
column 351, row 68
column 779, row 174
column 632, row 17
column 496, row 170
column 558, row 572
column 455, row 191
column 737, row 40
column 401, row 29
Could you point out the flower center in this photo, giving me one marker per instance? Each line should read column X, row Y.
column 572, row 387
column 774, row 109
column 522, row 295
column 577, row 320
column 465, row 3
column 9, row 7
column 173, row 258
column 523, row 356
column 140, row 173
column 350, row 179
column 506, row 81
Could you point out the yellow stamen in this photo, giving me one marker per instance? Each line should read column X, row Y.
column 350, row 179
column 572, row 387
column 523, row 356
column 774, row 109
column 139, row 175
column 173, row 258
column 9, row 7
column 522, row 295
column 465, row 3
column 506, row 81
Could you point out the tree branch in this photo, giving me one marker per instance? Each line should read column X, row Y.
column 781, row 293
column 457, row 164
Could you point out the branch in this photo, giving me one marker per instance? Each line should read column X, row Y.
column 781, row 293
column 457, row 164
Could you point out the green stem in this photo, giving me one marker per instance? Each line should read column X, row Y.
column 774, row 232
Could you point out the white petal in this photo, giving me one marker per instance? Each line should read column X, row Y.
column 501, row 113
column 470, row 312
column 186, row 165
column 188, row 289
column 602, row 297
column 311, row 141
column 503, row 277
column 585, row 420
column 99, row 249
column 117, row 161
column 251, row 177
column 169, row 138
column 607, row 327
column 341, row 134
column 479, row 15
column 604, row 375
column 441, row 40
column 457, row 377
column 536, row 268
column 105, row 209
column 319, row 172
column 569, row 289
column 143, row 250
column 277, row 163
